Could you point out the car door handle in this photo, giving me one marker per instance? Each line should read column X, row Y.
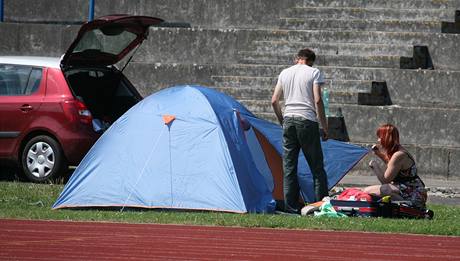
column 26, row 108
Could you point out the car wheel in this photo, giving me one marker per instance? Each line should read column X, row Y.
column 42, row 159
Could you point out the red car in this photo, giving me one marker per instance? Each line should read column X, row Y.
column 52, row 110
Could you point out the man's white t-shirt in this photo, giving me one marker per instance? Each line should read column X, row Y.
column 297, row 83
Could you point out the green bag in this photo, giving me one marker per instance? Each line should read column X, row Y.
column 327, row 210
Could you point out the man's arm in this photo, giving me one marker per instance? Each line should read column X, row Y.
column 276, row 102
column 320, row 109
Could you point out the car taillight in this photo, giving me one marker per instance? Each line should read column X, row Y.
column 83, row 112
column 77, row 110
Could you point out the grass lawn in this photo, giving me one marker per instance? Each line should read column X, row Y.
column 34, row 201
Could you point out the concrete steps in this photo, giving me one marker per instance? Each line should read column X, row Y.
column 265, row 94
column 435, row 42
column 330, row 48
column 210, row 46
column 239, row 69
column 393, row 4
column 357, row 37
column 378, row 61
column 261, row 88
column 267, row 82
column 244, row 81
column 265, row 110
column 426, row 88
column 273, row 70
column 410, row 119
column 342, row 24
column 371, row 13
column 200, row 13
column 246, row 93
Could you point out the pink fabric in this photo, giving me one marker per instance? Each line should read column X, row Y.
column 354, row 194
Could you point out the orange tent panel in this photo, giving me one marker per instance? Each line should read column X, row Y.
column 275, row 163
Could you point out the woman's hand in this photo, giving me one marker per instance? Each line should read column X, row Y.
column 379, row 151
column 376, row 147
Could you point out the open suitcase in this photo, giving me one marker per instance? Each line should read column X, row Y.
column 378, row 208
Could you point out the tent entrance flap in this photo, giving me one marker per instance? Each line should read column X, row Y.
column 275, row 163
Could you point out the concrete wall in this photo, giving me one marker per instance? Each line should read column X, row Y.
column 49, row 11
column 149, row 77
column 421, row 126
column 36, row 39
column 427, row 88
column 200, row 46
column 200, row 13
column 206, row 13
column 431, row 162
column 444, row 48
column 399, row 4
column 222, row 46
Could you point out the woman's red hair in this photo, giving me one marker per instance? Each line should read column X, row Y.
column 389, row 138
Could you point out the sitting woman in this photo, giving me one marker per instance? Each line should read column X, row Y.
column 399, row 179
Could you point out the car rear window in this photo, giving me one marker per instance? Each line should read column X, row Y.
column 111, row 43
column 19, row 79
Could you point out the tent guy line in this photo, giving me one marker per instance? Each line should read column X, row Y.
column 143, row 169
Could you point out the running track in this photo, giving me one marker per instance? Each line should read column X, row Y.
column 58, row 240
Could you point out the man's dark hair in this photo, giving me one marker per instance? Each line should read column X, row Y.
column 307, row 54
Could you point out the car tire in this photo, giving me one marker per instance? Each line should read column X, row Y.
column 42, row 159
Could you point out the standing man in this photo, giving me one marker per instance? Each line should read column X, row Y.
column 301, row 86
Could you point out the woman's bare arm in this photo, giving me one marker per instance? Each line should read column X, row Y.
column 394, row 166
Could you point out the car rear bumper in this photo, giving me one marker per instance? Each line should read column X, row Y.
column 76, row 145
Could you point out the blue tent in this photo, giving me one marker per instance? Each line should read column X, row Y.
column 190, row 147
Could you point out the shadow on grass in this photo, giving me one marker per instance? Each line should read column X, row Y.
column 10, row 172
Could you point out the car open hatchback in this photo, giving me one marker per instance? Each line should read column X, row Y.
column 52, row 110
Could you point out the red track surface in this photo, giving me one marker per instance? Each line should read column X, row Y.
column 57, row 240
